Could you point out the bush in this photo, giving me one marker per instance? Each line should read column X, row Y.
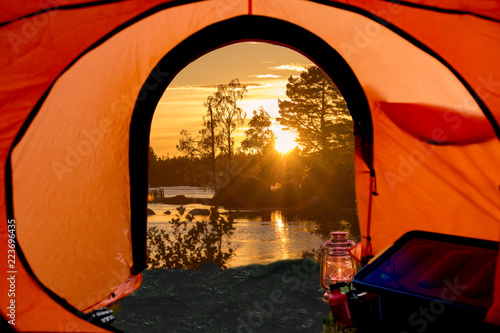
column 191, row 243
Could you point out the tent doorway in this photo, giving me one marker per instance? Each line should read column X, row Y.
column 271, row 192
column 225, row 33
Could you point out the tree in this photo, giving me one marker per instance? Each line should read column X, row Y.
column 208, row 144
column 209, row 131
column 316, row 112
column 259, row 137
column 205, row 145
column 226, row 114
column 222, row 118
column 154, row 169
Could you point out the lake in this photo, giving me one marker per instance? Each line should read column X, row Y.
column 260, row 237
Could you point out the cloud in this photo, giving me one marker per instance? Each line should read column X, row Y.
column 210, row 87
column 252, row 84
column 214, row 85
column 263, row 76
column 291, row 67
column 194, row 87
column 248, row 84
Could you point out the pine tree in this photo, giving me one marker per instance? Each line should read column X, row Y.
column 316, row 112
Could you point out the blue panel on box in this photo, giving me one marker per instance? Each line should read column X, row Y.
column 458, row 271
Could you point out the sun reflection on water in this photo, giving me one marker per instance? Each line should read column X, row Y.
column 281, row 232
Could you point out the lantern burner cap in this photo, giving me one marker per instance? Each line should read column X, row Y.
column 337, row 285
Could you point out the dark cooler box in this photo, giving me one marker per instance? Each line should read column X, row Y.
column 427, row 279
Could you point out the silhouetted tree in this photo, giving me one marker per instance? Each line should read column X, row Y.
column 154, row 168
column 259, row 137
column 227, row 115
column 210, row 140
column 213, row 141
column 222, row 118
column 175, row 171
column 316, row 112
column 204, row 146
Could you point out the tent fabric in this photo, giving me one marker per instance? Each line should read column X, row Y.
column 73, row 72
column 63, row 156
column 95, row 238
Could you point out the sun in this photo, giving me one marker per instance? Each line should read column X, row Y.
column 285, row 140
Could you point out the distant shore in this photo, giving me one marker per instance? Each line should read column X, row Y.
column 183, row 200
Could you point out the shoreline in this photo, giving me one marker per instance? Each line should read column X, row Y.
column 183, row 200
column 176, row 201
column 283, row 296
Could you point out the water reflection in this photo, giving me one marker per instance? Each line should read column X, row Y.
column 277, row 218
column 281, row 232
column 258, row 236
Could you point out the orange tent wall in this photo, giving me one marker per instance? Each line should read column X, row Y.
column 42, row 50
column 448, row 187
column 92, row 140
column 466, row 35
column 65, row 34
column 23, row 82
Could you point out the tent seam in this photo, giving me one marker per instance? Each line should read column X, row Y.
column 441, row 10
column 417, row 43
column 65, row 7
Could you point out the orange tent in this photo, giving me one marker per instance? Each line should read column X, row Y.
column 80, row 80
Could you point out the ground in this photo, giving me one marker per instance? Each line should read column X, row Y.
column 280, row 297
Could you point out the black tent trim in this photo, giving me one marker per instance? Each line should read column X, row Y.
column 238, row 29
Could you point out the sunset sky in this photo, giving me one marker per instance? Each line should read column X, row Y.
column 263, row 68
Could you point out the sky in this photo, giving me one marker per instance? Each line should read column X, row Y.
column 264, row 68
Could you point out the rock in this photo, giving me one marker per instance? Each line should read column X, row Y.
column 151, row 212
column 318, row 202
column 167, row 212
column 177, row 200
column 210, row 266
column 200, row 211
column 288, row 195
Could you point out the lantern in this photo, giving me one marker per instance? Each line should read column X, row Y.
column 337, row 265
